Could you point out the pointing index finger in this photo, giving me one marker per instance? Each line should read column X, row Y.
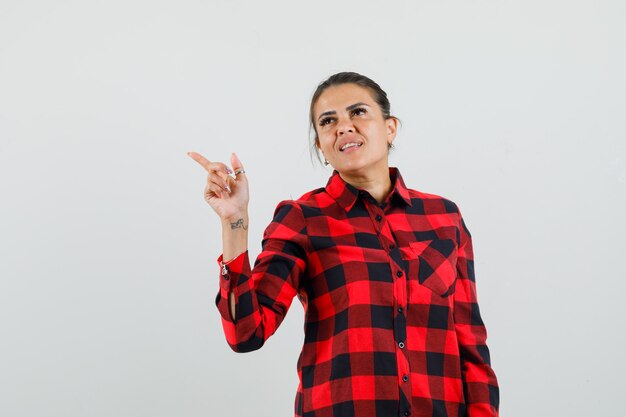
column 208, row 165
column 200, row 159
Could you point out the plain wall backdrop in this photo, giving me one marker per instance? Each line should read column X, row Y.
column 108, row 276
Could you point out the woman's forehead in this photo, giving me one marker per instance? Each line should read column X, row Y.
column 337, row 97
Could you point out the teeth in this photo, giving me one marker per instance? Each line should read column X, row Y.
column 348, row 145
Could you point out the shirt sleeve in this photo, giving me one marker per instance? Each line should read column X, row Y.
column 479, row 380
column 263, row 294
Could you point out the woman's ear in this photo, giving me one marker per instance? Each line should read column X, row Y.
column 318, row 148
column 392, row 128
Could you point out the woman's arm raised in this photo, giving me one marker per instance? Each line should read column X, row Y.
column 254, row 301
column 229, row 198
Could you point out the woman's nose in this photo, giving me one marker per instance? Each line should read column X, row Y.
column 345, row 125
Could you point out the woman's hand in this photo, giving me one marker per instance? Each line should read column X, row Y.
column 226, row 195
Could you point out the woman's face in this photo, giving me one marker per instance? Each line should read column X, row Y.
column 347, row 114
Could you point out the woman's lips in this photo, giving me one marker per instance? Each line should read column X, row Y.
column 351, row 149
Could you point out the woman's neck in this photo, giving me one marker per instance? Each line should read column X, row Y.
column 377, row 183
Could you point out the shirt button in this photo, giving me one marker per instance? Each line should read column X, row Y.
column 399, row 274
column 379, row 217
column 401, row 345
column 405, row 378
column 399, row 309
column 406, row 413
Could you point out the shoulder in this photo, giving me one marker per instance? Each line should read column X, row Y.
column 432, row 201
column 298, row 206
column 287, row 221
column 309, row 204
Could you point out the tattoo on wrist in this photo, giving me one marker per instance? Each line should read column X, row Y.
column 238, row 225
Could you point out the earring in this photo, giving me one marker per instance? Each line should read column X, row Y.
column 326, row 162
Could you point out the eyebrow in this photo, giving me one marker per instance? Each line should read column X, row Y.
column 350, row 107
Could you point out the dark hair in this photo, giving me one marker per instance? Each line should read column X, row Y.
column 379, row 95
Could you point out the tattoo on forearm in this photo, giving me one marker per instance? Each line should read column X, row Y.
column 238, row 225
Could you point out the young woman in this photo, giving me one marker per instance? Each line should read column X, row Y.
column 385, row 274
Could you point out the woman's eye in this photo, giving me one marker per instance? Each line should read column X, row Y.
column 356, row 111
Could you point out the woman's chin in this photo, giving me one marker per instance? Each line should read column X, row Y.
column 350, row 166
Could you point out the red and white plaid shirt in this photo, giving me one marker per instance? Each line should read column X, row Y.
column 392, row 324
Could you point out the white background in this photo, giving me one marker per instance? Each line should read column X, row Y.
column 512, row 109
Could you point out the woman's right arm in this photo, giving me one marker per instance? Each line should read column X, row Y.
column 229, row 199
column 253, row 302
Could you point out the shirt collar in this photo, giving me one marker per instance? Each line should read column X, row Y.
column 346, row 194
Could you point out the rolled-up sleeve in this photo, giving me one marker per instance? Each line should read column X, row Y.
column 263, row 294
column 480, row 383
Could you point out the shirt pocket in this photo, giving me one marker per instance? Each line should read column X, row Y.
column 433, row 264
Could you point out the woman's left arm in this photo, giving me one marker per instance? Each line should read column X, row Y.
column 479, row 380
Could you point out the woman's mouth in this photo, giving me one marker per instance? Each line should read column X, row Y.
column 351, row 146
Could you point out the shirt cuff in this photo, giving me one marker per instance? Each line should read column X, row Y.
column 228, row 283
column 229, row 275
